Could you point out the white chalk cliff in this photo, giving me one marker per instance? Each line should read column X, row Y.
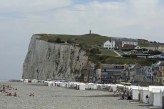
column 49, row 60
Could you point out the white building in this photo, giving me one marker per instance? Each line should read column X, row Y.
column 109, row 44
column 129, row 42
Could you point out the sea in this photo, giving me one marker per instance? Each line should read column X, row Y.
column 4, row 80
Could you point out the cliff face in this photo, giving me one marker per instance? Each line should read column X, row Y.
column 48, row 60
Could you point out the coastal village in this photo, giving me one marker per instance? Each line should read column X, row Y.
column 133, row 81
column 134, row 72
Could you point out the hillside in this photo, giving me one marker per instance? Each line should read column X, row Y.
column 92, row 44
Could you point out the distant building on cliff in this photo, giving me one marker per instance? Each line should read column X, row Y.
column 109, row 44
column 120, row 43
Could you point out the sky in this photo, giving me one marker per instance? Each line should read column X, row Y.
column 20, row 19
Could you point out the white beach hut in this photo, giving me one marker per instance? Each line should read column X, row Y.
column 90, row 85
column 157, row 97
column 145, row 92
column 81, row 86
column 34, row 81
column 63, row 84
column 114, row 87
column 45, row 83
column 50, row 83
column 154, row 92
column 135, row 92
column 151, row 94
column 21, row 80
column 69, row 84
column 27, row 80
column 86, row 86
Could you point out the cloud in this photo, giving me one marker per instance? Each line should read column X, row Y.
column 23, row 8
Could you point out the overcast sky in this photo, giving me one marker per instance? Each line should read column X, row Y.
column 19, row 19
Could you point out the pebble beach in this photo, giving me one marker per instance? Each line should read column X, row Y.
column 61, row 98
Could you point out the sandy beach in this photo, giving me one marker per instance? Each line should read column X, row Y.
column 61, row 98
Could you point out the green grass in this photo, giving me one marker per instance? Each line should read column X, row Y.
column 121, row 60
column 143, row 43
column 108, row 52
column 87, row 40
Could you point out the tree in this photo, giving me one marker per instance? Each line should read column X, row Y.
column 58, row 40
column 94, row 51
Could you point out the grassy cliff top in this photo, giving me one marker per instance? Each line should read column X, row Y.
column 87, row 40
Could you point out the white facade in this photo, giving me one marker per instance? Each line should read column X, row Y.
column 129, row 43
column 137, row 47
column 109, row 44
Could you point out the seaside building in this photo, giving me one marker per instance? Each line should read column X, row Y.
column 158, row 72
column 144, row 75
column 113, row 73
column 121, row 43
column 109, row 44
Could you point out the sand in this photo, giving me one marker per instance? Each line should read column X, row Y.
column 61, row 98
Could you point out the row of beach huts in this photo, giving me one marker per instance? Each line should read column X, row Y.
column 151, row 95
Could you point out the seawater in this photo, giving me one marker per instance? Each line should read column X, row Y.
column 4, row 80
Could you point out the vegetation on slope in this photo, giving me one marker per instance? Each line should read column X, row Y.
column 122, row 60
column 143, row 43
column 92, row 44
column 85, row 41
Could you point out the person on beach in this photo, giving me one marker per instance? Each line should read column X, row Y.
column 147, row 98
column 9, row 94
column 31, row 94
column 15, row 94
column 3, row 88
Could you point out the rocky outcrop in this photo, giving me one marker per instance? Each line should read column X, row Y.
column 49, row 60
